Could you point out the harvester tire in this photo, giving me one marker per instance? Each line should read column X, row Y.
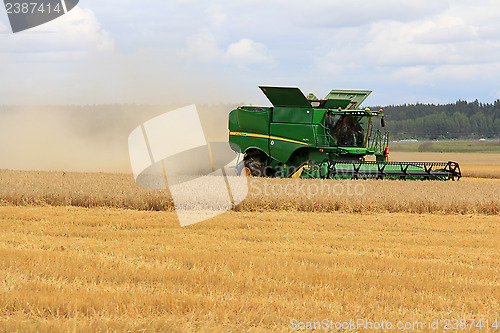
column 256, row 168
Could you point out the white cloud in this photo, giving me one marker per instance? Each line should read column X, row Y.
column 77, row 31
column 341, row 13
column 445, row 50
column 442, row 41
column 3, row 28
column 203, row 47
column 81, row 29
column 246, row 52
column 217, row 15
column 446, row 30
column 354, row 44
column 49, row 63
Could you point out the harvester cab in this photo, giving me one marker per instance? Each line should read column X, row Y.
column 307, row 137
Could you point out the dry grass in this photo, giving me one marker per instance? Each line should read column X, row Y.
column 79, row 190
column 463, row 197
column 89, row 270
column 119, row 191
column 481, row 171
column 462, row 158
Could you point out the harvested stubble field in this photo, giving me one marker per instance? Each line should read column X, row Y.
column 89, row 270
column 92, row 252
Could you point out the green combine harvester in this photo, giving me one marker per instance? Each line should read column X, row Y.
column 330, row 138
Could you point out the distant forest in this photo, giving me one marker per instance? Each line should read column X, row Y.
column 460, row 120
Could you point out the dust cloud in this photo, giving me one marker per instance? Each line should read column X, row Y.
column 85, row 138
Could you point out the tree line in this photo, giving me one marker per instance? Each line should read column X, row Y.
column 459, row 120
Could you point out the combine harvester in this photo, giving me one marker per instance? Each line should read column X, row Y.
column 306, row 137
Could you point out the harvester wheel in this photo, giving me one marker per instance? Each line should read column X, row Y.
column 256, row 168
column 254, row 164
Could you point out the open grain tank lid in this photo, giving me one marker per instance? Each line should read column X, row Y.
column 286, row 97
column 338, row 98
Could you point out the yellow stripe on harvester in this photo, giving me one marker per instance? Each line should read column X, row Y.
column 262, row 136
column 250, row 134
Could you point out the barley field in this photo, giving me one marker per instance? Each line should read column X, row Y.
column 468, row 196
column 92, row 252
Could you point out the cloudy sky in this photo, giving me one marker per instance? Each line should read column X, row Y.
column 193, row 51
